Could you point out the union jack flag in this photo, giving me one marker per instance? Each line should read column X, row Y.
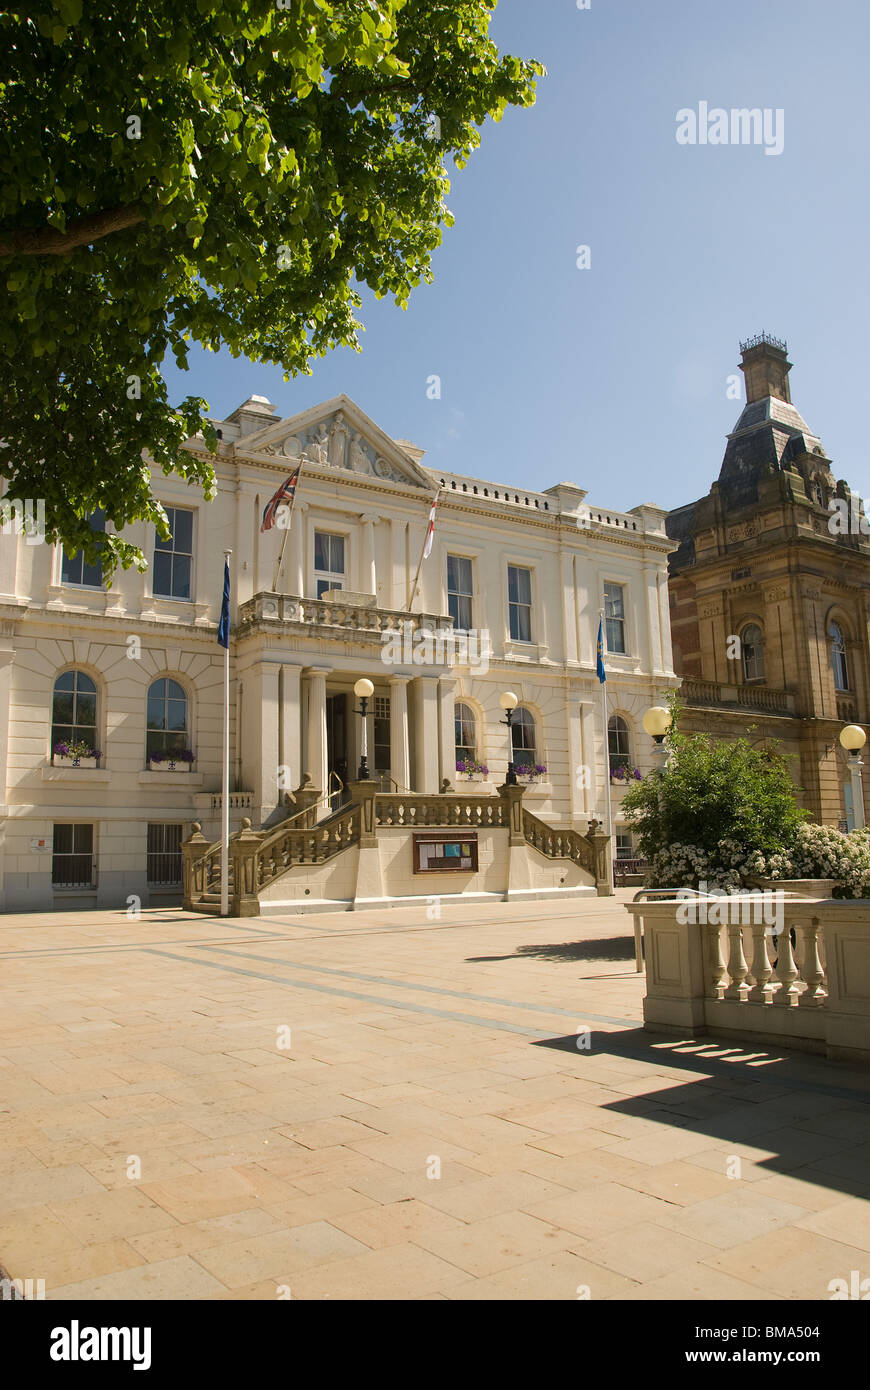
column 283, row 497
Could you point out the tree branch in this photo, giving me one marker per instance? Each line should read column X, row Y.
column 48, row 241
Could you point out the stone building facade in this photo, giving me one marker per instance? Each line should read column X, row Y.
column 770, row 592
column 508, row 599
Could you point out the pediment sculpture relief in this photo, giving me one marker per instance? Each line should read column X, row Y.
column 333, row 443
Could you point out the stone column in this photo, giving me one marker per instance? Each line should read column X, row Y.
column 290, row 726
column 368, row 572
column 447, row 728
column 654, row 646
column 260, row 749
column 400, row 762
column 314, row 705
column 592, row 775
column 665, row 621
column 296, row 546
column 426, row 711
column 569, row 609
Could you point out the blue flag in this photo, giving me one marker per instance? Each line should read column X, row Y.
column 602, row 674
column 224, row 624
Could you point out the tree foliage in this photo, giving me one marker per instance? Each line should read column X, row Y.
column 715, row 796
column 216, row 173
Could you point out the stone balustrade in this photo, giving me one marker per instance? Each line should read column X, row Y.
column 792, row 972
column 351, row 614
column 761, row 697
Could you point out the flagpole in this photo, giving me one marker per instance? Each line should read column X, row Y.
column 422, row 558
column 286, row 532
column 606, row 742
column 225, row 783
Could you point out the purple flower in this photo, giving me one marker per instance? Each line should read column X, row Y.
column 540, row 768
column 187, row 755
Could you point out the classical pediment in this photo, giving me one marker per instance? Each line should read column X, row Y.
column 337, row 435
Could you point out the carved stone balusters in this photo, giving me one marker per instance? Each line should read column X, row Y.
column 761, row 991
column 737, row 966
column 785, row 972
column 815, row 993
column 716, row 960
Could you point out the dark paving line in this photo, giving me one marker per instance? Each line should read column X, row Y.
column 427, row 989
column 711, row 1066
column 404, row 1006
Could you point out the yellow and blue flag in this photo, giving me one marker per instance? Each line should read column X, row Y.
column 602, row 674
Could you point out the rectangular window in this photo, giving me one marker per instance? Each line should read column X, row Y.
column 329, row 562
column 164, row 856
column 459, row 591
column 173, row 558
column 624, row 846
column 520, row 603
column 72, row 860
column 614, row 617
column 74, row 569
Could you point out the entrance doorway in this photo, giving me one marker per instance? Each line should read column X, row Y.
column 336, row 749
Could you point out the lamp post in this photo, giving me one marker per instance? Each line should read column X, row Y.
column 853, row 738
column 657, row 722
column 363, row 689
column 509, row 702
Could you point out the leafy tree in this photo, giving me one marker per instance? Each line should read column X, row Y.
column 727, row 800
column 180, row 171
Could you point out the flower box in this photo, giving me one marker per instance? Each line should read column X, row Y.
column 78, row 754
column 171, row 762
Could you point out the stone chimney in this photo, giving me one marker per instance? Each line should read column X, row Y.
column 253, row 414
column 765, row 367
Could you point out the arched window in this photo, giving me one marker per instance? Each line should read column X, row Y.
column 166, row 719
column 466, row 742
column 820, row 496
column 752, row 650
column 838, row 657
column 523, row 740
column 618, row 743
column 74, row 710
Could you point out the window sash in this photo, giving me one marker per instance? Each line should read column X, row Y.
column 520, row 603
column 163, row 855
column 72, row 858
column 173, row 558
column 74, row 570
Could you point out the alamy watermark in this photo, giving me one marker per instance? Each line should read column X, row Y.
column 427, row 646
column 740, row 126
column 23, row 518
column 732, row 909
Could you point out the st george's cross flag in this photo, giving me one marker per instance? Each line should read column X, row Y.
column 602, row 674
column 427, row 548
column 283, row 497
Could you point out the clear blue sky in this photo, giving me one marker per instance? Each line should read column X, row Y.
column 615, row 377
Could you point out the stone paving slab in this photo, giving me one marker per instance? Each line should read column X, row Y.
column 375, row 1105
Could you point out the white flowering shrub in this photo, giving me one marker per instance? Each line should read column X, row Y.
column 816, row 851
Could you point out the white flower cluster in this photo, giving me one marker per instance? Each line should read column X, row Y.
column 818, row 851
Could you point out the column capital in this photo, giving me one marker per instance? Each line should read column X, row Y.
column 370, row 518
column 317, row 670
column 399, row 680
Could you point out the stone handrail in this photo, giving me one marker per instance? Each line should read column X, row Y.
column 417, row 810
column 792, row 971
column 558, row 844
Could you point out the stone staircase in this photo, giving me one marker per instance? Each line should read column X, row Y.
column 259, row 859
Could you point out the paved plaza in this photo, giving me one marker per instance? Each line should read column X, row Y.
column 385, row 1105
